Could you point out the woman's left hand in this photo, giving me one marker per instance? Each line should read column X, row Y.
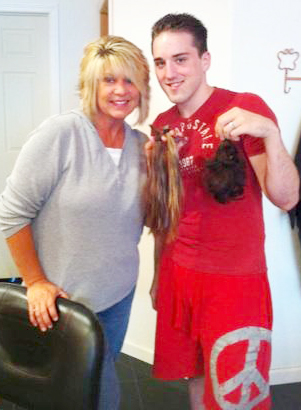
column 41, row 297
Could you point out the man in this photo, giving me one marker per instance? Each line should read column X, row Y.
column 211, row 289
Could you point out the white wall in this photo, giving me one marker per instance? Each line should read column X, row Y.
column 244, row 38
column 261, row 30
column 79, row 24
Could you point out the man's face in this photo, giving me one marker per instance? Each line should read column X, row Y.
column 180, row 70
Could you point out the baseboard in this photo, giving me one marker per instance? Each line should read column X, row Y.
column 146, row 355
column 285, row 375
column 277, row 376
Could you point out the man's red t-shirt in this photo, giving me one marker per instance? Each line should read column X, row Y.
column 214, row 237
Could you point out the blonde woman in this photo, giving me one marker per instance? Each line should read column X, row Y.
column 72, row 211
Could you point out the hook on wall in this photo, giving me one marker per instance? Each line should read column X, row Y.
column 287, row 62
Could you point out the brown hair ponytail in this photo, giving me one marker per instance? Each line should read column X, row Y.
column 163, row 190
column 225, row 174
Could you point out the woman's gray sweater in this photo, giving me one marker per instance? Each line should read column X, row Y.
column 86, row 213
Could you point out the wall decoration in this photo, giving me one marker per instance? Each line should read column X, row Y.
column 288, row 62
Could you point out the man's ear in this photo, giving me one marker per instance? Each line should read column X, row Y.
column 206, row 60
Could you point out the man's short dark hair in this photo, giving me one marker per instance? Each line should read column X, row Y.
column 183, row 22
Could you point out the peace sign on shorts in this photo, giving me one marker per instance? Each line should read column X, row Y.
column 248, row 376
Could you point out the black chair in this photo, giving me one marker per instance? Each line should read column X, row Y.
column 54, row 370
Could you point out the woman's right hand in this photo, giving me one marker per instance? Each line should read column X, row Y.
column 41, row 297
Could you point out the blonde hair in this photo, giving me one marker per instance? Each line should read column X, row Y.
column 114, row 55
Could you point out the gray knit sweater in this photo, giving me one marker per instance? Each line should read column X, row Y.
column 86, row 213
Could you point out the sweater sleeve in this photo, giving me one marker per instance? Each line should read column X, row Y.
column 37, row 170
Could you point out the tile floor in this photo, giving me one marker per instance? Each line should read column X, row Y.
column 141, row 392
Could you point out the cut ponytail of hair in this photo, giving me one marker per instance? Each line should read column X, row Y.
column 163, row 189
column 225, row 174
column 224, row 178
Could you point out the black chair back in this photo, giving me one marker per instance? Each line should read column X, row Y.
column 54, row 370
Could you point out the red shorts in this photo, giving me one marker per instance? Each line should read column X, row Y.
column 218, row 326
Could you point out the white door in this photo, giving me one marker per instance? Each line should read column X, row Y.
column 24, row 92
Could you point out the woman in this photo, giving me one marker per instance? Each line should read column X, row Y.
column 72, row 211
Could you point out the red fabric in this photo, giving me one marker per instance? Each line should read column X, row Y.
column 206, row 324
column 213, row 237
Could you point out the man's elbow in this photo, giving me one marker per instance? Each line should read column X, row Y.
column 285, row 199
column 289, row 202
